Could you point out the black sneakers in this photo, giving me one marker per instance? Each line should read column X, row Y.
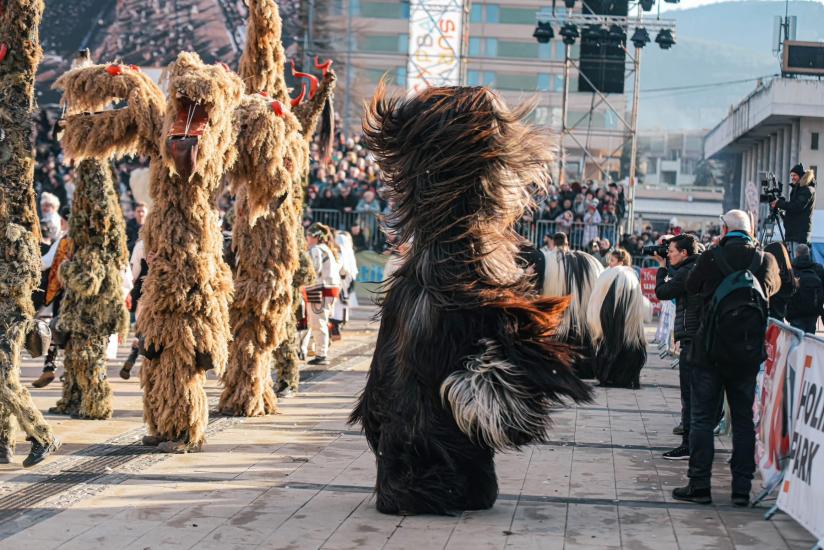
column 39, row 452
column 678, row 430
column 741, row 499
column 126, row 371
column 691, row 494
column 6, row 453
column 679, row 453
column 318, row 361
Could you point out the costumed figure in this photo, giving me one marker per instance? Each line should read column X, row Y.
column 322, row 295
column 349, row 272
column 94, row 305
column 572, row 273
column 466, row 363
column 20, row 258
column 615, row 317
column 190, row 141
column 273, row 149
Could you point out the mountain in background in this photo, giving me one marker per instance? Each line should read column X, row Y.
column 715, row 43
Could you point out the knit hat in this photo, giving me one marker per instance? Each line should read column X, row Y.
column 798, row 169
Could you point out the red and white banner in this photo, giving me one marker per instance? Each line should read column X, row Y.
column 772, row 446
column 435, row 38
column 802, row 493
column 648, row 275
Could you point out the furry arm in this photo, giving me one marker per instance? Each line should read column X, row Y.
column 90, row 131
column 310, row 111
column 503, row 394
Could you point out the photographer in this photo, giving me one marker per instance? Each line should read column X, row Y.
column 670, row 284
column 798, row 211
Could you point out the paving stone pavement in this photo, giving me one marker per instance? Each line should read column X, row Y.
column 304, row 478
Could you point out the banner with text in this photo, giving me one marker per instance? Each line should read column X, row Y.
column 435, row 40
column 772, row 431
column 802, row 493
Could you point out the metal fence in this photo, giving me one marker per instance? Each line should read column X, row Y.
column 580, row 234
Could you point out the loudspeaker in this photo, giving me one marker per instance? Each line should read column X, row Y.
column 602, row 61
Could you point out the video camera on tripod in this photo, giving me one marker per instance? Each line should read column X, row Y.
column 771, row 189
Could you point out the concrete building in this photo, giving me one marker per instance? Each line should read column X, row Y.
column 500, row 52
column 670, row 158
column 778, row 125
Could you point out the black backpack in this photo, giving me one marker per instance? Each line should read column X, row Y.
column 736, row 318
column 810, row 296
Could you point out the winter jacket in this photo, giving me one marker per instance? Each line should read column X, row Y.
column 671, row 284
column 798, row 217
column 794, row 308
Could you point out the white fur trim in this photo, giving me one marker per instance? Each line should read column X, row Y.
column 628, row 287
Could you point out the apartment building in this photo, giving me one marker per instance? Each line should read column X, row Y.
column 499, row 52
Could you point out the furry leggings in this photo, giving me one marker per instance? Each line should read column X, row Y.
column 16, row 401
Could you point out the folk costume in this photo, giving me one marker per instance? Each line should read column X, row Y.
column 465, row 362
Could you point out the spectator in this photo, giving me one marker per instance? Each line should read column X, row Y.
column 708, row 378
column 592, row 219
column 789, row 282
column 134, row 225
column 564, row 221
column 49, row 205
column 805, row 306
column 619, row 257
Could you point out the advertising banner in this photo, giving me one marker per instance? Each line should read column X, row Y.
column 802, row 493
column 771, row 428
column 435, row 40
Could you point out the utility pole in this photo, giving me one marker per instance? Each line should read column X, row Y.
column 564, row 102
column 347, row 94
column 633, row 154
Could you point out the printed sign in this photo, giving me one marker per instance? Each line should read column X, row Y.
column 435, row 39
column 648, row 286
column 802, row 493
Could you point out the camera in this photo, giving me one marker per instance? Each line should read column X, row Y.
column 771, row 189
column 657, row 249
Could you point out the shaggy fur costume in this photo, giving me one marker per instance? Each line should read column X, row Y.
column 615, row 317
column 572, row 273
column 94, row 306
column 465, row 363
column 268, row 179
column 19, row 228
column 185, row 315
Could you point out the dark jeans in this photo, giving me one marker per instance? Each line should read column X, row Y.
column 684, row 382
column 706, row 388
column 807, row 324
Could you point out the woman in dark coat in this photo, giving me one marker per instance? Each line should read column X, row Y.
column 465, row 363
column 789, row 282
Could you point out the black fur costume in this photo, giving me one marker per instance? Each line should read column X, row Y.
column 465, row 363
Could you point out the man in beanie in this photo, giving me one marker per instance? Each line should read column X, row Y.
column 798, row 211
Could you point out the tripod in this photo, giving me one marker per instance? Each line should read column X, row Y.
column 768, row 228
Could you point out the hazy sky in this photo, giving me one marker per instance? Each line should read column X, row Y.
column 684, row 4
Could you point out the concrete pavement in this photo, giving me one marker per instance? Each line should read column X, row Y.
column 303, row 479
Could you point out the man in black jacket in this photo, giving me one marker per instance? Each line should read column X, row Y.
column 804, row 307
column 737, row 249
column 670, row 284
column 798, row 211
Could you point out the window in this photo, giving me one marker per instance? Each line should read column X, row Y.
column 491, row 47
column 526, row 50
column 518, row 16
column 517, row 82
column 493, row 13
column 396, row 76
column 384, row 10
column 814, row 141
column 474, row 47
column 480, row 78
column 476, row 15
column 545, row 82
column 390, row 43
column 559, row 84
column 544, row 51
column 559, row 50
column 400, row 76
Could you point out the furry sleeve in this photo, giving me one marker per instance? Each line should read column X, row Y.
column 503, row 394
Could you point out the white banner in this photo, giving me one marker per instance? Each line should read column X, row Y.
column 435, row 39
column 802, row 493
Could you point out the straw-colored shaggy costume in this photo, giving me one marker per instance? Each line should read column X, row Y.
column 190, row 139
column 94, row 303
column 20, row 54
column 273, row 134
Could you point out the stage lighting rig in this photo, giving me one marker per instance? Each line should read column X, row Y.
column 569, row 4
column 616, row 34
column 569, row 34
column 543, row 32
column 664, row 39
column 646, row 5
column 640, row 37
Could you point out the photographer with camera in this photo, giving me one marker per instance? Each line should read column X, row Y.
column 671, row 284
column 735, row 281
column 798, row 211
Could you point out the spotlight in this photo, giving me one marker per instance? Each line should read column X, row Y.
column 569, row 32
column 640, row 37
column 665, row 39
column 569, row 4
column 616, row 35
column 543, row 32
column 646, row 5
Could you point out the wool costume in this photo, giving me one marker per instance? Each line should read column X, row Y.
column 20, row 259
column 465, row 362
column 615, row 317
column 268, row 181
column 572, row 273
column 190, row 138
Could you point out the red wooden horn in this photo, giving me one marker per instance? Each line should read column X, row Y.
column 297, row 100
column 324, row 66
column 277, row 107
column 114, row 70
column 4, row 50
column 313, row 82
